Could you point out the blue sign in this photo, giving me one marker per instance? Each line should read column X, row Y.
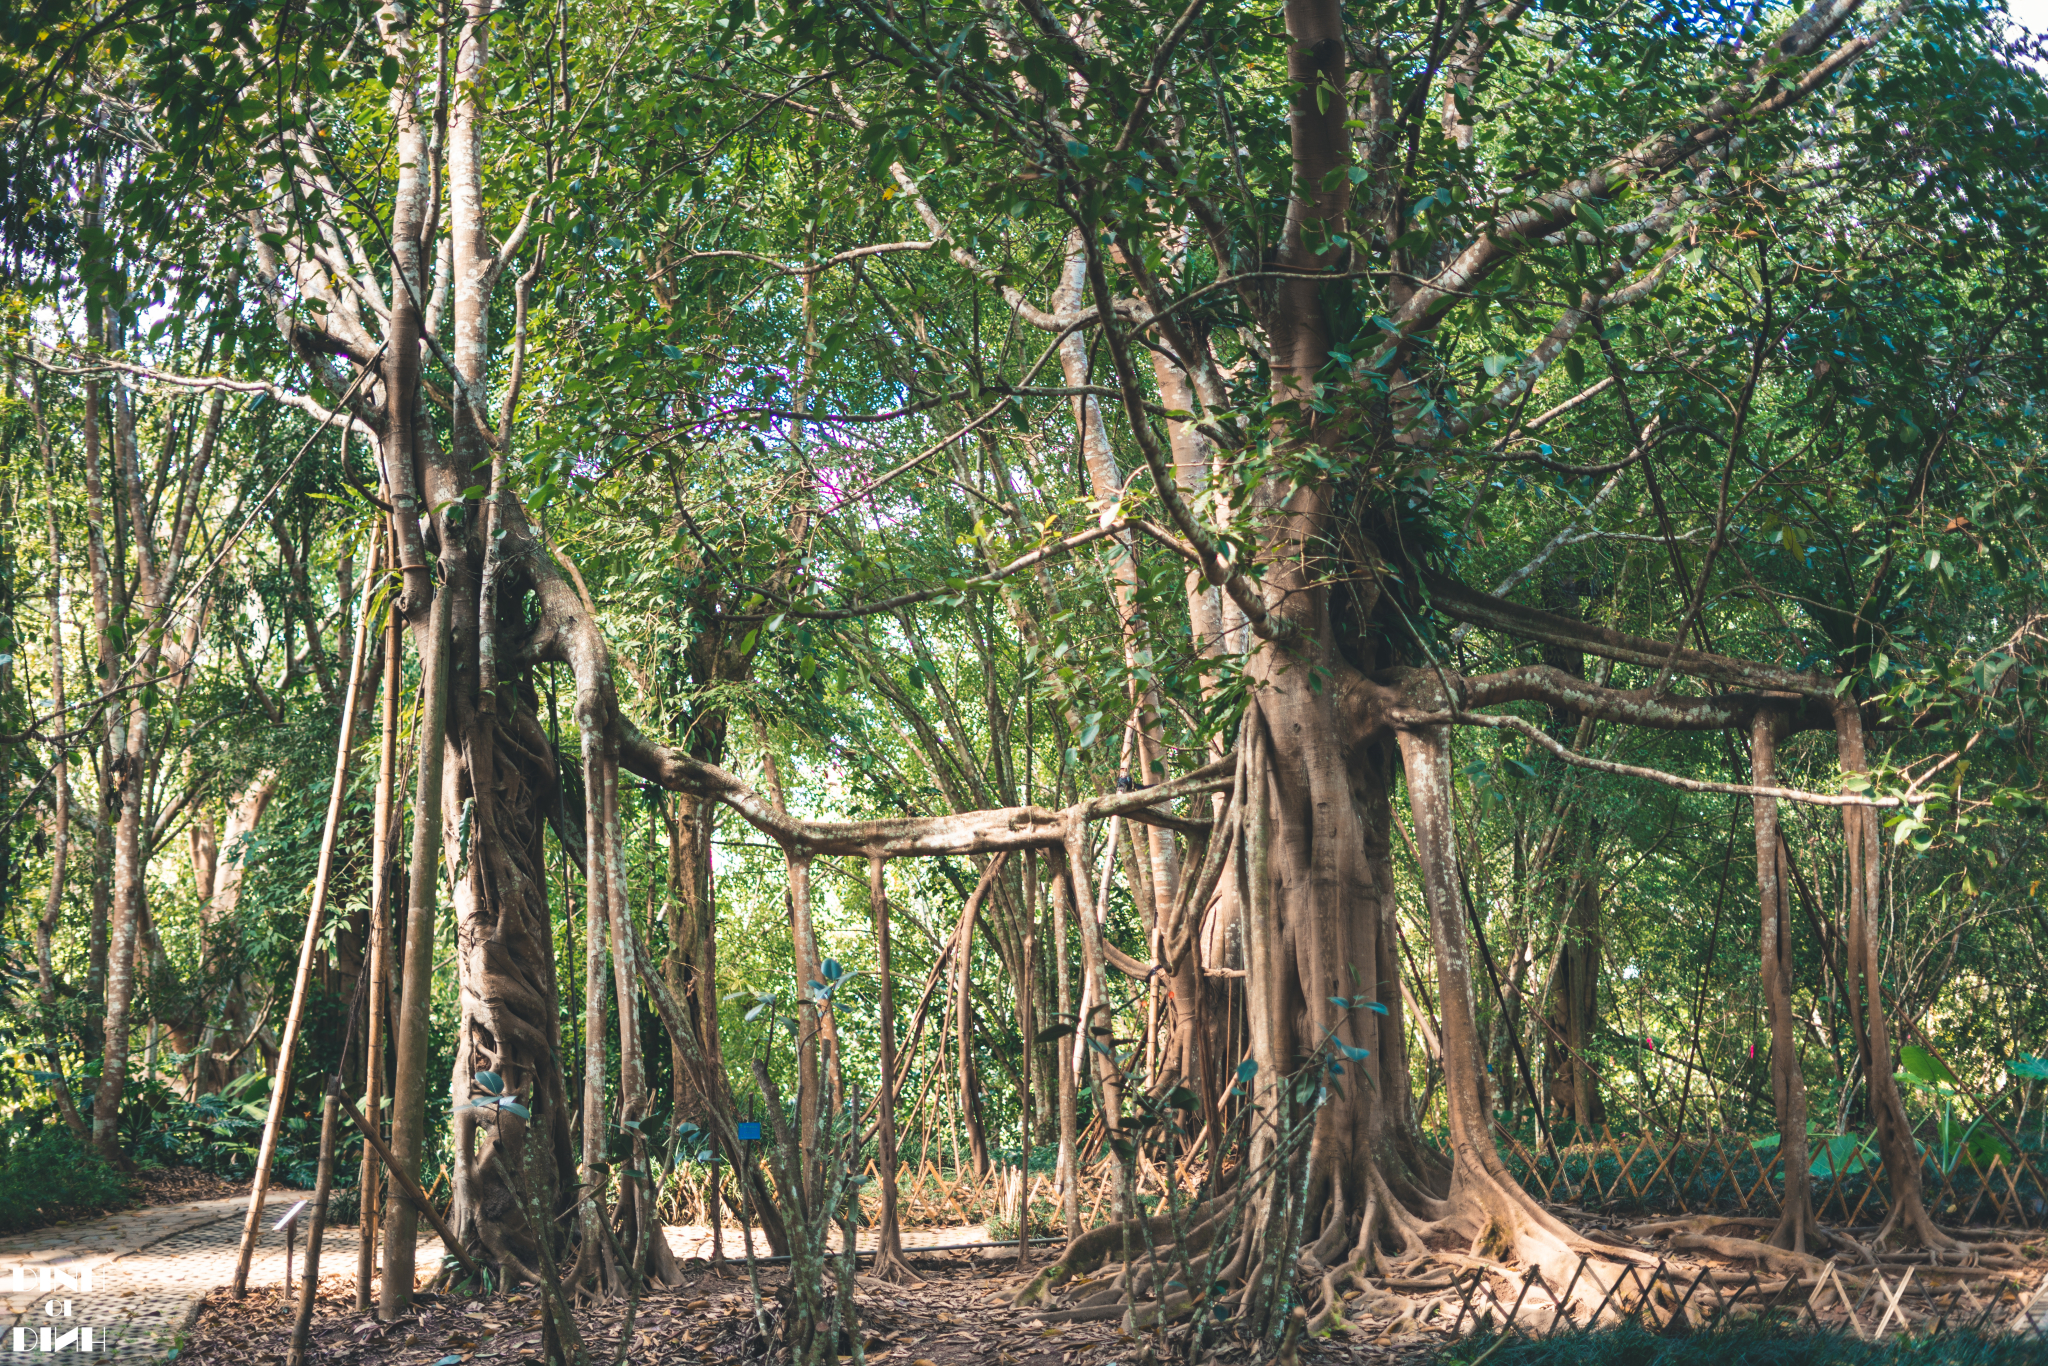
column 750, row 1131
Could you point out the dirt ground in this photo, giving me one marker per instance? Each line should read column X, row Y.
column 182, row 1185
column 959, row 1315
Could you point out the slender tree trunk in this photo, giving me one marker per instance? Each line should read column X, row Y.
column 381, row 869
column 1485, row 1204
column 60, row 831
column 409, row 1085
column 1907, row 1221
column 963, row 1029
column 316, row 911
column 1068, row 1175
column 888, row 1263
column 131, row 775
column 645, row 1246
column 1788, row 1085
column 596, row 919
column 1574, row 1005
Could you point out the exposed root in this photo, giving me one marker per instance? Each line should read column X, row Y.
column 1979, row 1241
column 1696, row 1223
column 889, row 1268
column 1749, row 1250
column 1370, row 1299
column 1095, row 1247
column 1093, row 1313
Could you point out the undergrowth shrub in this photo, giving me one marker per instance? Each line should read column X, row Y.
column 47, row 1175
column 223, row 1133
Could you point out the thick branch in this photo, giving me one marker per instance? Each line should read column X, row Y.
column 1468, row 604
column 1016, row 827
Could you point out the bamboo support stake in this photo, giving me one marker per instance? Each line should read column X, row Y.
column 323, row 1186
column 288, row 1046
column 409, row 1190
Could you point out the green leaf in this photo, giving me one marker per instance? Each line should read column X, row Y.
column 1844, row 1154
column 1923, row 1066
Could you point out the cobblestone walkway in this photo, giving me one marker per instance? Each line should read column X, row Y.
column 148, row 1269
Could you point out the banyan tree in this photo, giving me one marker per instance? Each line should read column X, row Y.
column 1292, row 292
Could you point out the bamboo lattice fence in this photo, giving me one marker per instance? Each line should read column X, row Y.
column 1728, row 1173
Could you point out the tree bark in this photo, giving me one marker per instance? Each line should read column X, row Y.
column 1796, row 1225
column 888, row 1263
column 382, row 870
column 60, row 830
column 409, row 1085
column 1907, row 1222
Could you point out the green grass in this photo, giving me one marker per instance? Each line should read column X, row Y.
column 1751, row 1347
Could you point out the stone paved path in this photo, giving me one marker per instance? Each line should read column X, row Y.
column 136, row 1278
column 149, row 1268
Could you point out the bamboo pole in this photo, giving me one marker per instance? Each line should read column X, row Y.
column 323, row 1186
column 288, row 1046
